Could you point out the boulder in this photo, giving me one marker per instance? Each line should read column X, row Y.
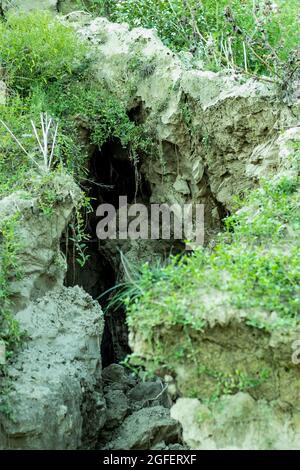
column 237, row 422
column 148, row 394
column 116, row 377
column 145, row 428
column 55, row 397
column 117, row 405
column 38, row 236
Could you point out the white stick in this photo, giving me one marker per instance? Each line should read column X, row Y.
column 36, row 135
column 43, row 128
column 53, row 146
column 245, row 57
column 19, row 144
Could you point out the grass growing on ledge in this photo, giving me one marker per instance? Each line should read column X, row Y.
column 254, row 269
column 256, row 261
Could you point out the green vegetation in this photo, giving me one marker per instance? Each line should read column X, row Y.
column 39, row 50
column 231, row 383
column 254, row 268
column 259, row 36
column 46, row 69
column 256, row 261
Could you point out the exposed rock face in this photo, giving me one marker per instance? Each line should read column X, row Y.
column 237, row 422
column 212, row 137
column 56, row 397
column 229, row 354
column 38, row 235
column 205, row 127
column 138, row 413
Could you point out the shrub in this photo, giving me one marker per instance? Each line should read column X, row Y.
column 36, row 48
column 258, row 36
column 254, row 268
column 260, row 265
column 93, row 105
column 47, row 71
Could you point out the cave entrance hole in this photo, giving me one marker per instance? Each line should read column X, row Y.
column 111, row 174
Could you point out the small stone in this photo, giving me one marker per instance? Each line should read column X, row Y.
column 144, row 429
column 117, row 408
column 148, row 394
column 115, row 375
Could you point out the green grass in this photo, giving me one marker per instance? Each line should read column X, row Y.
column 254, row 36
column 253, row 269
column 36, row 48
column 46, row 69
column 256, row 261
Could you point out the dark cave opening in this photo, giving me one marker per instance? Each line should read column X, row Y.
column 138, row 113
column 111, row 174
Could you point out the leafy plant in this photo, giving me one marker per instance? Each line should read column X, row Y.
column 78, row 235
column 254, row 267
column 36, row 48
column 255, row 36
column 46, row 142
column 231, row 383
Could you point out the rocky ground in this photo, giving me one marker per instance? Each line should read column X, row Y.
column 138, row 413
column 214, row 136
